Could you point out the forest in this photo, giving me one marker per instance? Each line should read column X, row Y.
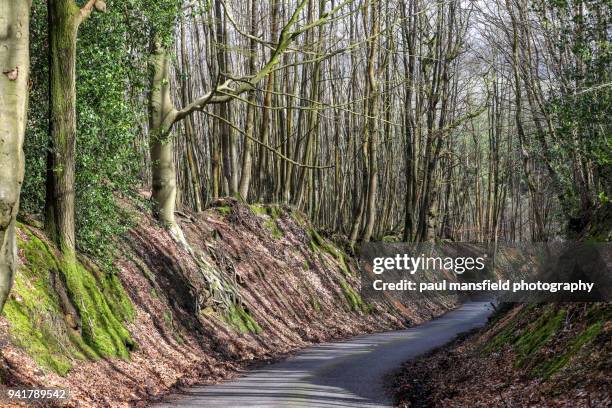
column 377, row 121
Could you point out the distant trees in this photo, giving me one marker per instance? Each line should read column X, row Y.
column 14, row 77
column 560, row 58
column 415, row 120
column 164, row 115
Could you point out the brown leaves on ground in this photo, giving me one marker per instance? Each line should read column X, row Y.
column 293, row 293
column 466, row 374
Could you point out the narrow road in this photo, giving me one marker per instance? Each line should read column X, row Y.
column 344, row 374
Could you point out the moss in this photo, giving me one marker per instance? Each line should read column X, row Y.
column 317, row 243
column 316, row 305
column 343, row 265
column 599, row 312
column 102, row 329
column 225, row 210
column 168, row 319
column 352, row 298
column 272, row 211
column 258, row 209
column 299, row 218
column 35, row 315
column 537, row 334
column 548, row 368
column 314, row 247
column 120, row 303
column 169, row 323
column 525, row 339
column 273, row 228
column 501, row 339
column 33, row 328
column 241, row 320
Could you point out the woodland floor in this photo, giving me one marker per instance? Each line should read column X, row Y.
column 516, row 362
column 296, row 288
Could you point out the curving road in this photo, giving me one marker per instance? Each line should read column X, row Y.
column 335, row 375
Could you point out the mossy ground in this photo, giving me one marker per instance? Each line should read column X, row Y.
column 35, row 313
column 536, row 336
column 317, row 243
column 241, row 320
column 531, row 339
column 272, row 213
column 353, row 299
column 225, row 210
column 551, row 366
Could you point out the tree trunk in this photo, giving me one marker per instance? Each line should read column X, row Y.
column 247, row 156
column 65, row 17
column 161, row 110
column 59, row 206
column 371, row 124
column 14, row 76
column 228, row 143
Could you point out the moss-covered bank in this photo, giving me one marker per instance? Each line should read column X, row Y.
column 49, row 291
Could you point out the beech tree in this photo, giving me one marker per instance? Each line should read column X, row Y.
column 65, row 18
column 163, row 114
column 14, row 76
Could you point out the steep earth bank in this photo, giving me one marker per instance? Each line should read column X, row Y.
column 255, row 283
column 535, row 355
column 554, row 355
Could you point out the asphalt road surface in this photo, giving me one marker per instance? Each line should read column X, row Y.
column 335, row 375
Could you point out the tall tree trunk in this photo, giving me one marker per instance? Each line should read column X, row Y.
column 190, row 151
column 264, row 156
column 65, row 17
column 59, row 209
column 161, row 111
column 228, row 143
column 14, row 76
column 247, row 154
column 371, row 123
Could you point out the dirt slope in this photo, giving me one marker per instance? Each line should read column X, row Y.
column 548, row 355
column 529, row 355
column 256, row 283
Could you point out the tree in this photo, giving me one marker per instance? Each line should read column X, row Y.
column 65, row 18
column 163, row 114
column 14, row 76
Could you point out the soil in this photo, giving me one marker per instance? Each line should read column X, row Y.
column 290, row 291
column 498, row 366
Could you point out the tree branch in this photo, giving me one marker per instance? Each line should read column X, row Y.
column 88, row 8
column 266, row 146
column 231, row 88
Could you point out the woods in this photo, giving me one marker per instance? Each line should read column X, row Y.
column 412, row 121
column 190, row 186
